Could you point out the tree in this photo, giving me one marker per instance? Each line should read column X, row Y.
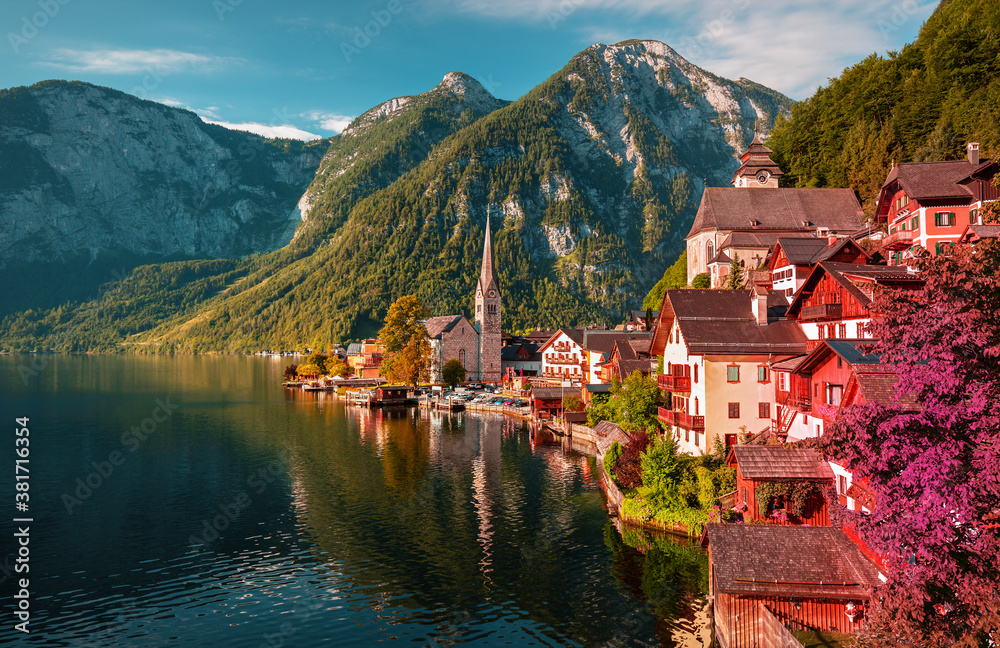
column 572, row 403
column 308, row 369
column 337, row 367
column 639, row 397
column 701, row 281
column 674, row 277
column 318, row 359
column 412, row 365
column 735, row 279
column 453, row 373
column 935, row 470
column 291, row 372
column 405, row 339
column 403, row 322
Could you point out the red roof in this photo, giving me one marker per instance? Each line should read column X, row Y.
column 774, row 462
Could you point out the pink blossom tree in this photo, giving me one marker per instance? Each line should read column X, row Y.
column 934, row 468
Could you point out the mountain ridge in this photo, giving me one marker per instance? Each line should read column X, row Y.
column 592, row 179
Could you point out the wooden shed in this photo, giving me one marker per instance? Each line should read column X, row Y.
column 806, row 578
column 547, row 402
column 761, row 467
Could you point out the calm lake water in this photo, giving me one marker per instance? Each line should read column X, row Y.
column 194, row 502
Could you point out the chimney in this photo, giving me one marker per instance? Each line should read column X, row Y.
column 758, row 304
column 831, row 240
column 973, row 148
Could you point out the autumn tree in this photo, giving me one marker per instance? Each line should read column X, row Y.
column 935, row 470
column 406, row 343
column 453, row 373
column 337, row 367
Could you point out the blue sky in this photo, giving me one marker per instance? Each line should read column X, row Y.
column 304, row 68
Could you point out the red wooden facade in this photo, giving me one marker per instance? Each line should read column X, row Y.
column 830, row 300
column 816, row 512
column 738, row 617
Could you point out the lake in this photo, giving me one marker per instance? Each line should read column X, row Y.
column 192, row 501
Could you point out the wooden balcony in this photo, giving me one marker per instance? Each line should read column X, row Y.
column 898, row 240
column 681, row 419
column 670, row 383
column 821, row 312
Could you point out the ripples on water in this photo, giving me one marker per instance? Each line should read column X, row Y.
column 354, row 527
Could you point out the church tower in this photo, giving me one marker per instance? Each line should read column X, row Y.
column 757, row 169
column 488, row 311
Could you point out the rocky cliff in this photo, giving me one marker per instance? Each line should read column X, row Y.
column 85, row 168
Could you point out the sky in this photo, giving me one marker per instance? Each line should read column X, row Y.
column 305, row 68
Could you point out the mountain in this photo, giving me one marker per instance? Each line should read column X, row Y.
column 384, row 143
column 592, row 180
column 88, row 172
column 922, row 103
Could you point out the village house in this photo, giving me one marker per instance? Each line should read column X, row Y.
column 521, row 359
column 365, row 358
column 766, row 580
column 627, row 356
column 927, row 206
column 835, row 299
column 716, row 347
column 453, row 336
column 745, row 220
column 599, row 345
column 563, row 357
column 792, row 259
column 639, row 320
column 759, row 467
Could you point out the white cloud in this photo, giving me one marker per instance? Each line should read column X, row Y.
column 286, row 131
column 789, row 45
column 158, row 61
column 329, row 121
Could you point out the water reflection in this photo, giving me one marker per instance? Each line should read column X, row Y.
column 365, row 525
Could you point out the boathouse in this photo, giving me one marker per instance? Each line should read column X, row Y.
column 768, row 581
column 770, row 478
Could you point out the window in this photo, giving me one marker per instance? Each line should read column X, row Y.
column 915, row 223
column 782, row 381
column 762, row 373
column 944, row 219
column 734, row 410
column 764, row 410
column 974, row 217
column 840, row 362
column 821, row 331
column 709, row 251
column 815, row 390
column 687, row 435
column 834, row 394
column 678, row 335
column 733, row 373
column 843, row 330
column 461, row 356
column 696, row 374
column 860, row 329
column 696, row 406
column 841, row 485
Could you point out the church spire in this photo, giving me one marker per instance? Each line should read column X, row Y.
column 487, row 275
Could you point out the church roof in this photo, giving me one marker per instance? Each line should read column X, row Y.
column 487, row 275
column 784, row 209
column 437, row 325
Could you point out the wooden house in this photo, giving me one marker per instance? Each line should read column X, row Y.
column 760, row 465
column 928, row 205
column 835, row 300
column 547, row 402
column 793, row 259
column 801, row 577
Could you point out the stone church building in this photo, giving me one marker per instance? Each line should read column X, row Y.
column 476, row 344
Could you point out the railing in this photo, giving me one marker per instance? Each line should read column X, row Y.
column 821, row 311
column 563, row 361
column 681, row 419
column 669, row 382
column 898, row 240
